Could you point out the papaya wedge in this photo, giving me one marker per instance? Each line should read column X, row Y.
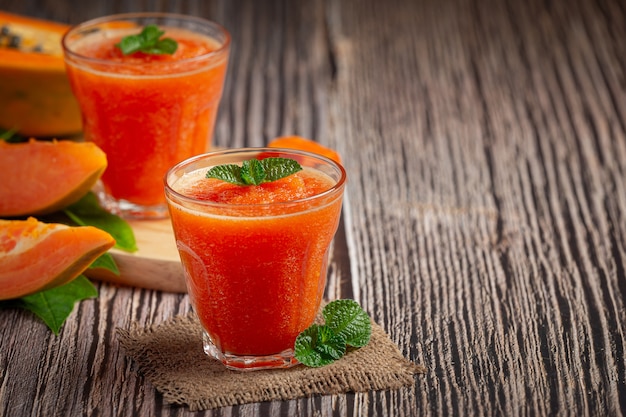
column 37, row 256
column 35, row 92
column 40, row 177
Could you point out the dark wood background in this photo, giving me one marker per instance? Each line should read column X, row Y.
column 485, row 219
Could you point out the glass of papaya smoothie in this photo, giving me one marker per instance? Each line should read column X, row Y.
column 255, row 254
column 148, row 86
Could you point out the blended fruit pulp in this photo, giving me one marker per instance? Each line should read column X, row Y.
column 147, row 112
column 256, row 272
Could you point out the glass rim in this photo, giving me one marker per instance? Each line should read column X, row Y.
column 223, row 48
column 332, row 190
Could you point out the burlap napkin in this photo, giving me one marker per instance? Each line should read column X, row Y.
column 170, row 356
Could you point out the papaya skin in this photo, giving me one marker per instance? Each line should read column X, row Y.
column 37, row 256
column 42, row 177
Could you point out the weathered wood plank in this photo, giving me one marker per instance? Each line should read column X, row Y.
column 496, row 206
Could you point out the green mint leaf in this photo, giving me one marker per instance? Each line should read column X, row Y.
column 255, row 172
column 318, row 346
column 346, row 324
column 277, row 168
column 164, row 46
column 106, row 261
column 55, row 305
column 348, row 319
column 88, row 212
column 229, row 173
column 151, row 34
column 130, row 44
column 148, row 42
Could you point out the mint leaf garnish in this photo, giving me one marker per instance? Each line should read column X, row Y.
column 151, row 34
column 229, row 173
column 88, row 212
column 277, row 168
column 347, row 318
column 148, row 41
column 347, row 324
column 318, row 346
column 53, row 306
column 254, row 171
column 162, row 46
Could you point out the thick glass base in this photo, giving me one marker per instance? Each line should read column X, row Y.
column 128, row 210
column 284, row 359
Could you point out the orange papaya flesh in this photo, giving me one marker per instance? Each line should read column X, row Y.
column 35, row 92
column 41, row 177
column 303, row 144
column 39, row 38
column 36, row 256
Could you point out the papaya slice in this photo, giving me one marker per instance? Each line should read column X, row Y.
column 35, row 92
column 41, row 177
column 36, row 256
column 303, row 144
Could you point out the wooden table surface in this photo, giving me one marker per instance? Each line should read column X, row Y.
column 484, row 224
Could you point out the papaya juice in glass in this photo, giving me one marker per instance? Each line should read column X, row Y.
column 255, row 257
column 146, row 111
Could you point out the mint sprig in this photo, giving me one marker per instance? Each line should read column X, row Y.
column 349, row 320
column 346, row 325
column 318, row 345
column 148, row 41
column 254, row 171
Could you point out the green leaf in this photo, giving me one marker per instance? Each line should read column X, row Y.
column 55, row 305
column 163, row 46
column 229, row 173
column 130, row 44
column 255, row 172
column 252, row 172
column 318, row 345
column 105, row 261
column 151, row 34
column 148, row 42
column 88, row 212
column 346, row 324
column 348, row 319
column 277, row 168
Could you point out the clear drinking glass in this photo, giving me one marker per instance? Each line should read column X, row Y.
column 146, row 112
column 255, row 271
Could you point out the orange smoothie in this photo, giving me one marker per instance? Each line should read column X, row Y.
column 255, row 256
column 146, row 112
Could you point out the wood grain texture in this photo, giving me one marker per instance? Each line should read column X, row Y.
column 485, row 219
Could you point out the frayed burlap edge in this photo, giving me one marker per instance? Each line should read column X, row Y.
column 170, row 356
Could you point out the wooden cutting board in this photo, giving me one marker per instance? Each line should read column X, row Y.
column 155, row 265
